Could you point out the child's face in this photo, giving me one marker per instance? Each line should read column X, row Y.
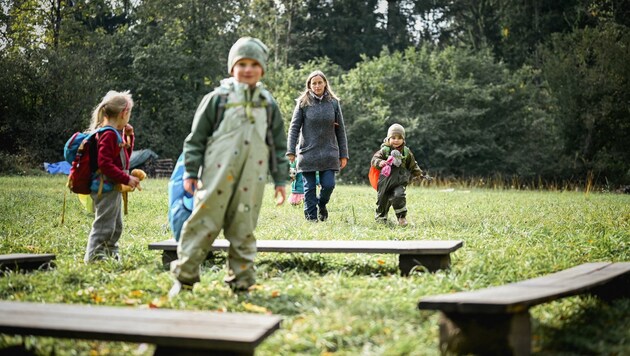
column 396, row 141
column 247, row 71
column 123, row 119
column 318, row 85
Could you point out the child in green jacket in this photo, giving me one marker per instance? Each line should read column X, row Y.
column 227, row 166
column 398, row 166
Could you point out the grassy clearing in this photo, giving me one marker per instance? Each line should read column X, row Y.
column 342, row 304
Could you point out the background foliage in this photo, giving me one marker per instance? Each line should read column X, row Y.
column 536, row 90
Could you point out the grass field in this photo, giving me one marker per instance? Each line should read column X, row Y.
column 341, row 304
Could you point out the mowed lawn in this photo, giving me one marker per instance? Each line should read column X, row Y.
column 333, row 304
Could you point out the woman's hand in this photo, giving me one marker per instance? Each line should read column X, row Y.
column 343, row 162
column 291, row 157
column 190, row 185
column 280, row 190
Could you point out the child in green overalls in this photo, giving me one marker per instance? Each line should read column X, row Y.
column 227, row 162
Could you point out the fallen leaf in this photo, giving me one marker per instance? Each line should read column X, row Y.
column 255, row 308
column 132, row 301
column 157, row 302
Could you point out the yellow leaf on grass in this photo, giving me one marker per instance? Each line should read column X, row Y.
column 275, row 294
column 380, row 262
column 255, row 308
column 136, row 293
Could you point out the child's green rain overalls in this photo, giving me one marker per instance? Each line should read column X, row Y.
column 230, row 196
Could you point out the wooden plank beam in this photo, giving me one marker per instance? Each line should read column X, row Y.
column 26, row 261
column 520, row 296
column 496, row 320
column 431, row 254
column 417, row 247
column 175, row 329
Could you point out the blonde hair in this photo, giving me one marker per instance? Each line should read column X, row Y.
column 111, row 106
column 305, row 99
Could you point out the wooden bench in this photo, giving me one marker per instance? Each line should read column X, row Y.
column 433, row 255
column 25, row 261
column 496, row 320
column 174, row 332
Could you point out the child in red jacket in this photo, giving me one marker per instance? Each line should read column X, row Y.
column 113, row 152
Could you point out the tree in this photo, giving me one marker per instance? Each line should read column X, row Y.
column 465, row 114
column 341, row 31
column 178, row 54
column 588, row 73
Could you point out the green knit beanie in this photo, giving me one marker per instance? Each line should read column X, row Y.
column 248, row 47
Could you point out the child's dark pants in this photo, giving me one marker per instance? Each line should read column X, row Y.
column 395, row 198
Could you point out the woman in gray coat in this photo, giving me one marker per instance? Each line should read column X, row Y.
column 318, row 131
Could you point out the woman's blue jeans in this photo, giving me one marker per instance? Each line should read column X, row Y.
column 311, row 201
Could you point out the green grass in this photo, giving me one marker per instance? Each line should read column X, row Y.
column 342, row 304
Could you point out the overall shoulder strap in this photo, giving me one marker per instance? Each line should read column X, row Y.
column 220, row 110
column 268, row 103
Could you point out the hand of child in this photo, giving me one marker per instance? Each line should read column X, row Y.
column 190, row 185
column 387, row 170
column 382, row 163
column 133, row 181
column 128, row 130
column 280, row 190
column 291, row 157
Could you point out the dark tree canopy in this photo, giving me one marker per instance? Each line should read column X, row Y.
column 530, row 89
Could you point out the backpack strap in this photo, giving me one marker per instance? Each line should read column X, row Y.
column 123, row 157
column 387, row 150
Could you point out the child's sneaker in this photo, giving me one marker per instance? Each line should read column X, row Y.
column 402, row 221
column 178, row 287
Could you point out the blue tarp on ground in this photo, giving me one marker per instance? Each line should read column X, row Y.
column 62, row 167
column 137, row 159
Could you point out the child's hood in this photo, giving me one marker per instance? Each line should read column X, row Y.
column 231, row 84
